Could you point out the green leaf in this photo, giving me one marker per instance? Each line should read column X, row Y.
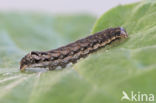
column 99, row 78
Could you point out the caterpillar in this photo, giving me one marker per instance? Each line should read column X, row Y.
column 72, row 52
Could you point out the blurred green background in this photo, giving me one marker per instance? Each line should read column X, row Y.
column 101, row 77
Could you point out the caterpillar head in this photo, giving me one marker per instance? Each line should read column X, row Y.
column 117, row 32
column 120, row 32
column 123, row 33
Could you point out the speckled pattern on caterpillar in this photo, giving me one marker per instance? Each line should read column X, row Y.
column 73, row 51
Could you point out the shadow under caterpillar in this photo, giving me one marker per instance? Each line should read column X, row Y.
column 72, row 52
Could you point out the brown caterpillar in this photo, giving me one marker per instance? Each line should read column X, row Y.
column 73, row 51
